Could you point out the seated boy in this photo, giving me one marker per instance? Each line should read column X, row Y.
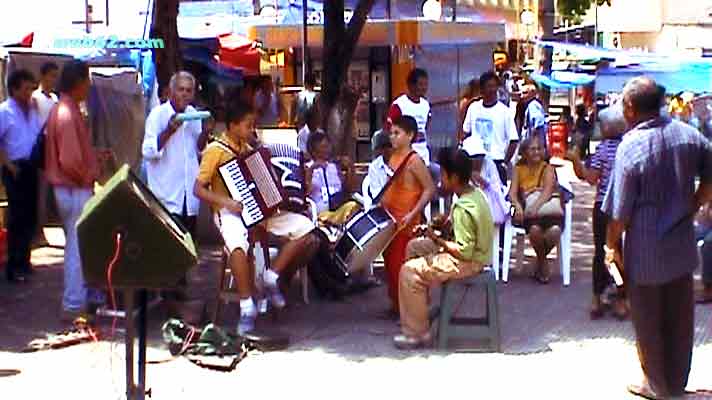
column 296, row 228
column 433, row 260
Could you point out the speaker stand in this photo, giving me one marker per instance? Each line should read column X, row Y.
column 136, row 391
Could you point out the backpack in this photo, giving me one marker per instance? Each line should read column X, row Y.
column 328, row 278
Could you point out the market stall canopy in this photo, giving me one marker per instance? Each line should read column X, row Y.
column 386, row 32
column 678, row 73
column 563, row 79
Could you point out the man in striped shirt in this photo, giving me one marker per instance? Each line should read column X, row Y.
column 652, row 198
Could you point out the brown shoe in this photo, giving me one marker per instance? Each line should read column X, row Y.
column 620, row 309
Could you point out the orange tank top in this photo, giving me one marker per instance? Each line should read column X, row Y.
column 402, row 196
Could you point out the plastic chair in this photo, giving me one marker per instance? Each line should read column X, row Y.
column 563, row 249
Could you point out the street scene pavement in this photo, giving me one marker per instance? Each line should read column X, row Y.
column 550, row 347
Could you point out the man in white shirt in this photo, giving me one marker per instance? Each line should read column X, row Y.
column 44, row 95
column 19, row 128
column 171, row 148
column 46, row 99
column 413, row 103
column 492, row 122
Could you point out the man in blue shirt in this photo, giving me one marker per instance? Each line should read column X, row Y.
column 653, row 199
column 19, row 128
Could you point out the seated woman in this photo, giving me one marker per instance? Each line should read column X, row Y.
column 327, row 183
column 536, row 200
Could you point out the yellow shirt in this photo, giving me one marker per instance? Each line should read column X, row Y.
column 530, row 178
column 216, row 155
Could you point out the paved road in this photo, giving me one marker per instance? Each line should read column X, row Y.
column 551, row 348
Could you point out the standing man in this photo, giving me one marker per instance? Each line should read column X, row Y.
column 414, row 104
column 71, row 167
column 46, row 99
column 19, row 128
column 534, row 119
column 44, row 95
column 652, row 198
column 492, row 123
column 171, row 148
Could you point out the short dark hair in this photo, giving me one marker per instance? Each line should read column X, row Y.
column 416, row 74
column 73, row 73
column 407, row 123
column 17, row 78
column 48, row 67
column 456, row 162
column 315, row 138
column 488, row 76
column 237, row 111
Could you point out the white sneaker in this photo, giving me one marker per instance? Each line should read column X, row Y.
column 248, row 314
column 275, row 296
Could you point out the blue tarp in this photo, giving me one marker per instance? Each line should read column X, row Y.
column 563, row 79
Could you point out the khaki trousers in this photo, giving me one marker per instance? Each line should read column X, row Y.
column 428, row 265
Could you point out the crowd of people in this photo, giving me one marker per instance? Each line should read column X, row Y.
column 644, row 170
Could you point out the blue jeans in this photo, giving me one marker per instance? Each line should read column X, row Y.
column 706, row 234
column 70, row 202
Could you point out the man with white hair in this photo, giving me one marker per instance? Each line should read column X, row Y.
column 652, row 198
column 171, row 147
column 170, row 151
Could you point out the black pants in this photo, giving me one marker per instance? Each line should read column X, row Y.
column 189, row 222
column 664, row 322
column 22, row 216
column 502, row 171
column 601, row 277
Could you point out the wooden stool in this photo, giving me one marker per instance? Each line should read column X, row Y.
column 453, row 327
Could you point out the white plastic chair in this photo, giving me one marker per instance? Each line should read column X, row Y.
column 563, row 249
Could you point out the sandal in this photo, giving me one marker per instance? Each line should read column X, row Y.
column 643, row 390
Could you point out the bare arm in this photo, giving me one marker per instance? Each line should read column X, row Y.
column 590, row 175
column 202, row 191
column 426, row 181
column 511, row 149
column 514, row 190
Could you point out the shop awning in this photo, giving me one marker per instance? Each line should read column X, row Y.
column 386, row 32
column 239, row 52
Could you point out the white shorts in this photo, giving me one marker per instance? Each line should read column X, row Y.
column 232, row 229
column 290, row 225
column 284, row 224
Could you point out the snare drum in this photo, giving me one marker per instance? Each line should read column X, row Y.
column 366, row 235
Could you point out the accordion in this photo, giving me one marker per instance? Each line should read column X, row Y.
column 251, row 180
column 288, row 164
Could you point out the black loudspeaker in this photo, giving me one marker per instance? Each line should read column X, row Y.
column 155, row 249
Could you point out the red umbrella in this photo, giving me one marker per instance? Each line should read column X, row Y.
column 239, row 52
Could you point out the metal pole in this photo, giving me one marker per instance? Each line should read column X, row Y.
column 304, row 41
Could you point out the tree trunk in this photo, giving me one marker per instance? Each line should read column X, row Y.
column 338, row 105
column 547, row 12
column 167, row 60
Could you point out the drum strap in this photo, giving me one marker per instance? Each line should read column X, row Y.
column 395, row 175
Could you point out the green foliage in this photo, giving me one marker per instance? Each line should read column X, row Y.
column 573, row 10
